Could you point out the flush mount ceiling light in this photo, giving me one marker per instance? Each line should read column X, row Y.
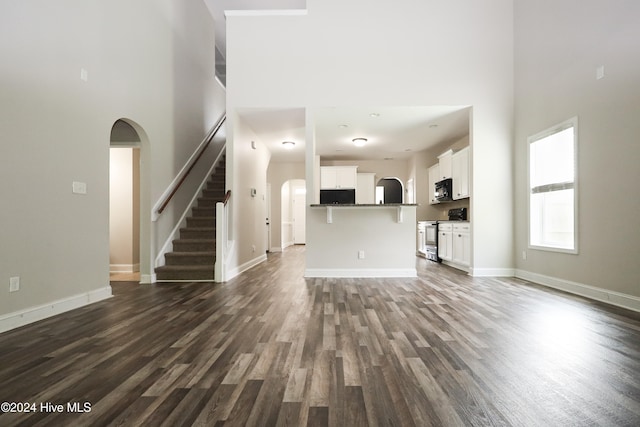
column 359, row 142
column 288, row 144
column 374, row 115
column 343, row 126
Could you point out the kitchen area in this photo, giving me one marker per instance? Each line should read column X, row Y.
column 439, row 200
column 446, row 236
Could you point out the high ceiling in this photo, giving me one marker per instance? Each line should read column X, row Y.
column 391, row 132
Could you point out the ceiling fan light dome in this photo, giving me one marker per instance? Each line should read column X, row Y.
column 359, row 142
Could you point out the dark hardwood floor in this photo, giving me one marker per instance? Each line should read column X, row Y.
column 271, row 348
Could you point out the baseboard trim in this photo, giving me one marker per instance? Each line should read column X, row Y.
column 44, row 311
column 244, row 267
column 124, row 268
column 492, row 272
column 361, row 272
column 618, row 299
column 147, row 279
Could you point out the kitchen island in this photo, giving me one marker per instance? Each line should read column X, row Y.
column 361, row 240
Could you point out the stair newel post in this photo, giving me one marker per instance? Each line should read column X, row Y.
column 221, row 238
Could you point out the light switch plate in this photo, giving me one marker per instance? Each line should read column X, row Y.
column 79, row 187
column 14, row 284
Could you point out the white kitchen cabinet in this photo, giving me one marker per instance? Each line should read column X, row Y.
column 461, row 237
column 434, row 176
column 445, row 241
column 460, row 174
column 444, row 165
column 366, row 189
column 338, row 177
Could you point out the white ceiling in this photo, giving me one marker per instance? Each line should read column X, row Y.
column 396, row 132
column 392, row 132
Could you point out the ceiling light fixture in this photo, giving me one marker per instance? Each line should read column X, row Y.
column 374, row 115
column 359, row 142
column 288, row 144
column 343, row 126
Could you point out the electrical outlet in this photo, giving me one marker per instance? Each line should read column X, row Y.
column 14, row 284
column 524, row 255
column 360, row 254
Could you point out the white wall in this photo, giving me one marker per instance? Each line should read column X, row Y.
column 556, row 59
column 151, row 61
column 427, row 53
column 248, row 214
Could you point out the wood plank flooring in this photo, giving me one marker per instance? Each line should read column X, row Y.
column 271, row 348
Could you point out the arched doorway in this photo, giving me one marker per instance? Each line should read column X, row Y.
column 389, row 190
column 129, row 203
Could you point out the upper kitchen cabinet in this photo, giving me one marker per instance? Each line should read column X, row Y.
column 445, row 165
column 338, row 177
column 460, row 173
column 366, row 190
column 434, row 176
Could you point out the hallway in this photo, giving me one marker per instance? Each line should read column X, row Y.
column 272, row 348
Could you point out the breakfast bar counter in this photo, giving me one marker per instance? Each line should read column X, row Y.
column 399, row 207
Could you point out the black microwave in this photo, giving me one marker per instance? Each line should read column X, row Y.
column 443, row 190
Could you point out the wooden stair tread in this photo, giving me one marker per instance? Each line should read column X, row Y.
column 192, row 253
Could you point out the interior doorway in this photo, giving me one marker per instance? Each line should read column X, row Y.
column 128, row 231
column 124, row 213
column 293, row 212
column 299, row 212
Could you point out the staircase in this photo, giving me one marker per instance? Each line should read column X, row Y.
column 193, row 255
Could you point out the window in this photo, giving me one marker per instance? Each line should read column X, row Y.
column 552, row 188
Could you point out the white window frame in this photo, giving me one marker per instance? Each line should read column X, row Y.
column 570, row 123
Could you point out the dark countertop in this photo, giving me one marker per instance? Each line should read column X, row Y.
column 363, row 205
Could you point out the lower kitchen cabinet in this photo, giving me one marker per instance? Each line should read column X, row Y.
column 445, row 241
column 461, row 237
column 454, row 243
